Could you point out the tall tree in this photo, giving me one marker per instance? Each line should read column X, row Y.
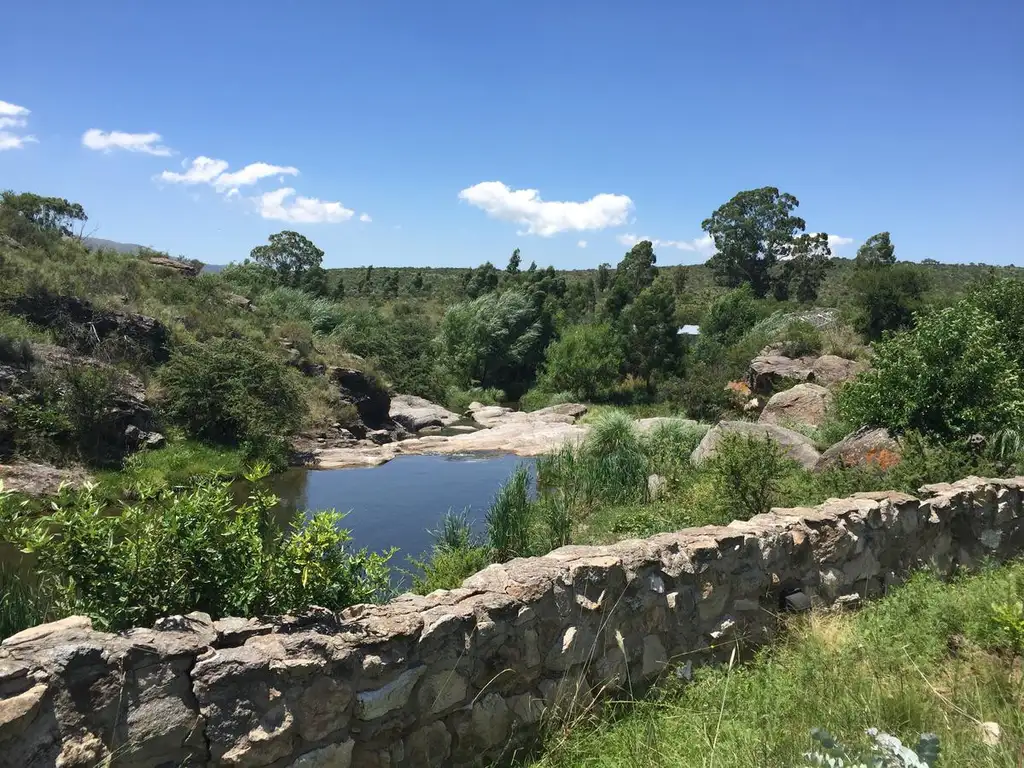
column 650, row 332
column 877, row 251
column 752, row 232
column 289, row 254
column 21, row 214
column 513, row 263
column 484, row 280
column 633, row 274
column 802, row 273
column 604, row 277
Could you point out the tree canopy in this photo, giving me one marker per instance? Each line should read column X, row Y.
column 289, row 254
column 876, row 251
column 752, row 232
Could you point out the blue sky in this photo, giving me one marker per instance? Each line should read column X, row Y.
column 434, row 120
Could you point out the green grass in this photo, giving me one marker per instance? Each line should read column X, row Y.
column 929, row 657
column 179, row 463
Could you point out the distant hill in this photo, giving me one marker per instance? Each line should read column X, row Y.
column 99, row 243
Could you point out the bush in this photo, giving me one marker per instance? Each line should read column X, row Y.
column 455, row 557
column 584, row 361
column 702, row 394
column 538, row 398
column 229, row 391
column 191, row 550
column 459, row 400
column 948, row 377
column 800, row 338
column 748, row 472
column 496, row 340
column 887, row 297
column 730, row 316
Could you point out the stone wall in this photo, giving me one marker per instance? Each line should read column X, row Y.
column 460, row 677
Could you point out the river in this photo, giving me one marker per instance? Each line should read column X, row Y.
column 399, row 503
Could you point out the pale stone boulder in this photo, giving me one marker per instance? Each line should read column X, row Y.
column 793, row 444
column 804, row 405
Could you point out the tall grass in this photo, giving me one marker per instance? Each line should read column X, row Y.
column 455, row 556
column 926, row 658
column 510, row 517
column 21, row 604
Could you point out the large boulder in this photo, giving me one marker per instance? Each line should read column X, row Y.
column 830, row 370
column 795, row 445
column 366, row 392
column 767, row 371
column 415, row 413
column 868, row 446
column 84, row 326
column 34, row 479
column 803, row 405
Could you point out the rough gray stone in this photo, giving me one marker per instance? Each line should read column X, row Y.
column 793, row 444
column 380, row 701
column 804, row 405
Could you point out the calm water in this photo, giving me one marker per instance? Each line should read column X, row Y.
column 396, row 504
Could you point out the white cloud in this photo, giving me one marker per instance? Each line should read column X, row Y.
column 582, row 244
column 202, row 170
column 834, row 241
column 703, row 244
column 525, row 207
column 252, row 173
column 365, row 218
column 147, row 143
column 304, row 210
column 13, row 110
column 11, row 141
column 13, row 116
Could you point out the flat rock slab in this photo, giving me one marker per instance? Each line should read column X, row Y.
column 416, row 413
column 517, row 432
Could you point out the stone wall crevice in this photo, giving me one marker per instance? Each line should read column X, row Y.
column 462, row 676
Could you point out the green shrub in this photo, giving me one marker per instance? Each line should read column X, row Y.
column 194, row 549
column 584, row 361
column 538, row 398
column 229, row 391
column 510, row 518
column 456, row 555
column 800, row 338
column 15, row 351
column 730, row 316
column 948, row 377
column 748, row 472
column 886, row 298
column 668, row 447
column 701, row 395
column 459, row 400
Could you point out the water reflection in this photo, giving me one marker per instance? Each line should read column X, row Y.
column 395, row 505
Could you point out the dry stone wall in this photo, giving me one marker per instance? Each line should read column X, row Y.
column 461, row 677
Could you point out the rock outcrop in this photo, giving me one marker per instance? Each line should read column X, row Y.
column 793, row 444
column 803, row 405
column 183, row 268
column 416, row 413
column 768, row 372
column 366, row 392
column 127, row 422
column 83, row 326
column 36, row 479
column 831, row 370
column 866, row 447
column 521, row 433
column 463, row 677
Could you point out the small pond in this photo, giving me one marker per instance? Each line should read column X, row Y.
column 397, row 504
